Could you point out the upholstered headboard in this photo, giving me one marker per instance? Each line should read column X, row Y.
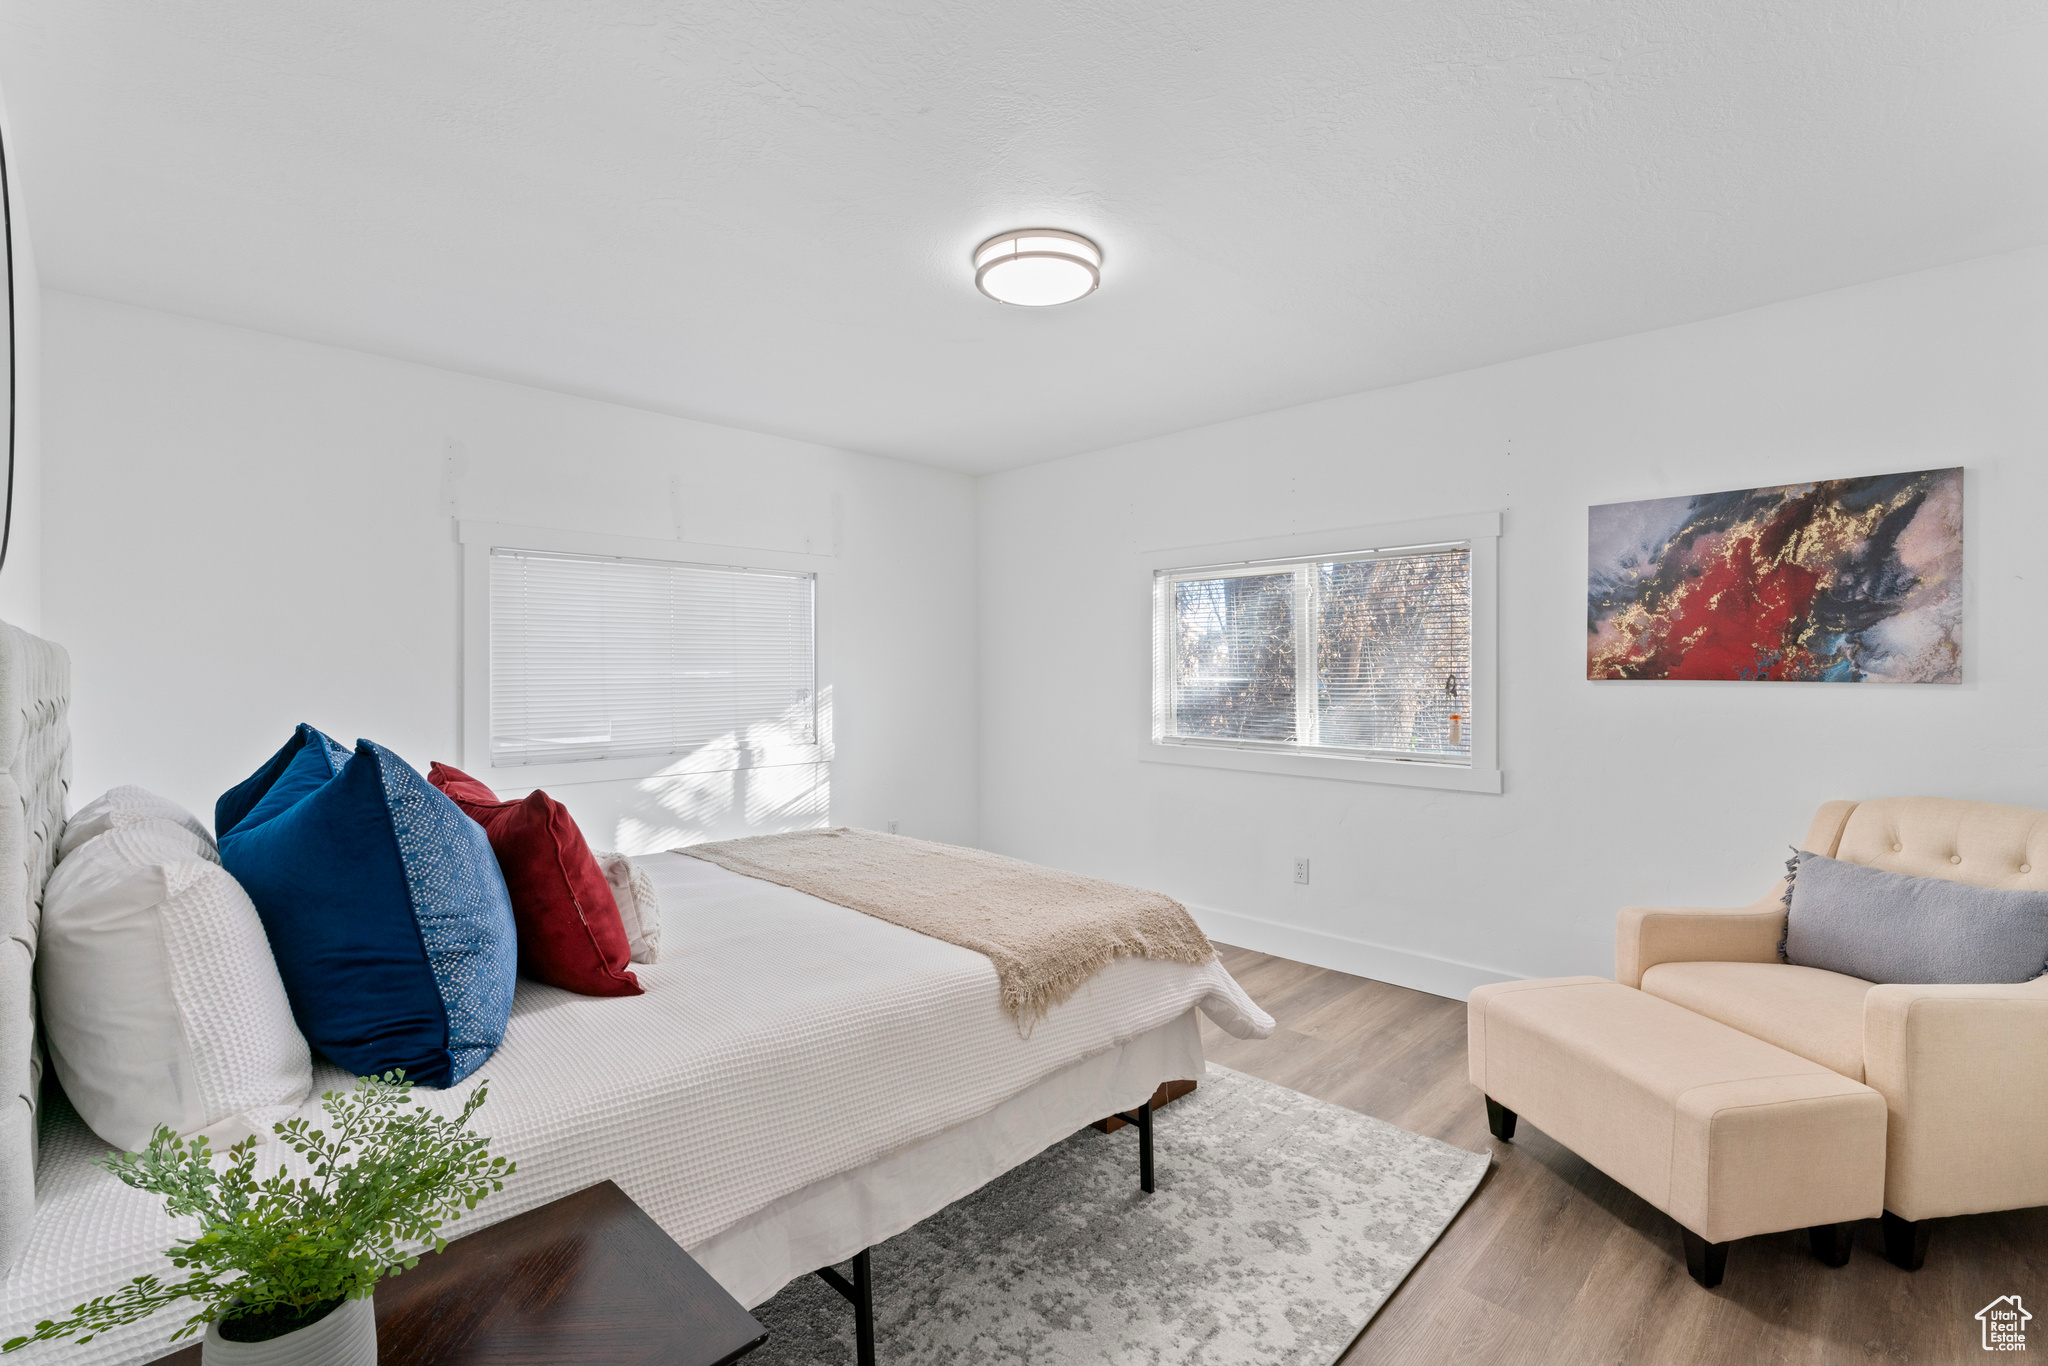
column 35, row 774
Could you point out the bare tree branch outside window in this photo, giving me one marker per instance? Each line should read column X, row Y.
column 1235, row 661
column 1390, row 639
column 1394, row 653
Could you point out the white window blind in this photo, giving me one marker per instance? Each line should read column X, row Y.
column 1367, row 654
column 599, row 657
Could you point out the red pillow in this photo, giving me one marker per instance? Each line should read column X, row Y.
column 570, row 934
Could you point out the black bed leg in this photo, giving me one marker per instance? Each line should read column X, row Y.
column 1706, row 1261
column 1500, row 1119
column 1145, row 1147
column 863, row 1309
column 1905, row 1241
column 860, row 1293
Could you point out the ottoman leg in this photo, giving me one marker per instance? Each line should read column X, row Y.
column 1500, row 1119
column 1706, row 1261
column 1832, row 1243
column 1905, row 1241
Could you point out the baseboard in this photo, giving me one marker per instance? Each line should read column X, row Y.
column 1359, row 957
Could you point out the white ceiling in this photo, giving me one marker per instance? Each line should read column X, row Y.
column 760, row 212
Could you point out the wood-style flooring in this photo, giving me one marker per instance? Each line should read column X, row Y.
column 1553, row 1262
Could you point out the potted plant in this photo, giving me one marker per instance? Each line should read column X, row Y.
column 283, row 1269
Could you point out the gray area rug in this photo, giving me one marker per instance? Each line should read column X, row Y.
column 1280, row 1226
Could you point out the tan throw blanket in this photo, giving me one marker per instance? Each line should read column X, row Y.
column 1046, row 931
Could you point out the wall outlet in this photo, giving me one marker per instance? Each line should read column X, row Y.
column 1301, row 871
column 892, row 827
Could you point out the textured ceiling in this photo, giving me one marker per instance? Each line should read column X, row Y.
column 760, row 212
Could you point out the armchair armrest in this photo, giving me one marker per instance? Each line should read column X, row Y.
column 1964, row 1073
column 1645, row 936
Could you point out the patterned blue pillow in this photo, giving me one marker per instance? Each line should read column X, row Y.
column 385, row 909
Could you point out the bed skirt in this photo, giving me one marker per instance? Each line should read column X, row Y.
column 828, row 1221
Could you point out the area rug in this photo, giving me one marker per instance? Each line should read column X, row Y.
column 1279, row 1227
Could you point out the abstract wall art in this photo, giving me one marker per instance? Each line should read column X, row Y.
column 1839, row 581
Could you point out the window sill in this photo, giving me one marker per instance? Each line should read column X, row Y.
column 1395, row 772
column 719, row 758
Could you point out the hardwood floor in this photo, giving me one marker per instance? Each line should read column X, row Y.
column 1552, row 1262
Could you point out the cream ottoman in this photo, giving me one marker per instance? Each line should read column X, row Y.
column 1727, row 1134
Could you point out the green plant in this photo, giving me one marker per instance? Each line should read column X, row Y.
column 284, row 1247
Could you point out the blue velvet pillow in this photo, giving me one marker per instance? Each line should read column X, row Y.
column 384, row 905
column 239, row 800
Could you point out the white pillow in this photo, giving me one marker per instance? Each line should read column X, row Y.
column 639, row 909
column 161, row 1003
column 127, row 806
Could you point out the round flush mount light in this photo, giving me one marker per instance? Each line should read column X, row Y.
column 1037, row 266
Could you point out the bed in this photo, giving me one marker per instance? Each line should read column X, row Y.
column 799, row 1081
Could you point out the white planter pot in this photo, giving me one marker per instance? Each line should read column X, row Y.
column 346, row 1337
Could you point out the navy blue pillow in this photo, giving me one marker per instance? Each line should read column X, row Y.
column 239, row 800
column 384, row 906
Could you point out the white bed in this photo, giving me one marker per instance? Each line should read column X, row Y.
column 799, row 1081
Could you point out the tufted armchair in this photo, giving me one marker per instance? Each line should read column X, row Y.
column 1963, row 1069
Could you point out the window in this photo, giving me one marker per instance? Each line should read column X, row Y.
column 595, row 657
column 1362, row 654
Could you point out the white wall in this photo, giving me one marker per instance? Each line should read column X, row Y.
column 246, row 531
column 21, row 577
column 1659, row 793
column 243, row 531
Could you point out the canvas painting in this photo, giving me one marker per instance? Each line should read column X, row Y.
column 1840, row 581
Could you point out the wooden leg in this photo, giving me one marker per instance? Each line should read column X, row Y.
column 1501, row 1120
column 1168, row 1092
column 1905, row 1241
column 1706, row 1261
column 1832, row 1243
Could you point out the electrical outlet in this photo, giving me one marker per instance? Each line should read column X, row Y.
column 892, row 827
column 1301, row 871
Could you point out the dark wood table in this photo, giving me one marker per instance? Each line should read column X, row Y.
column 588, row 1279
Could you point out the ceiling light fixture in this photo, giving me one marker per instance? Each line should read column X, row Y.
column 1037, row 266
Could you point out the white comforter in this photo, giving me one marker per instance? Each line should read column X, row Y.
column 782, row 1040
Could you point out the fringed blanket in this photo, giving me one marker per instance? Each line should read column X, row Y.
column 1046, row 931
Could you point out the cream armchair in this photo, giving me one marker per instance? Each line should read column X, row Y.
column 1963, row 1069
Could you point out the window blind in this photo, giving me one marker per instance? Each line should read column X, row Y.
column 1364, row 654
column 597, row 657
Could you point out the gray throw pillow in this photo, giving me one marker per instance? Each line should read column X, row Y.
column 1887, row 927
